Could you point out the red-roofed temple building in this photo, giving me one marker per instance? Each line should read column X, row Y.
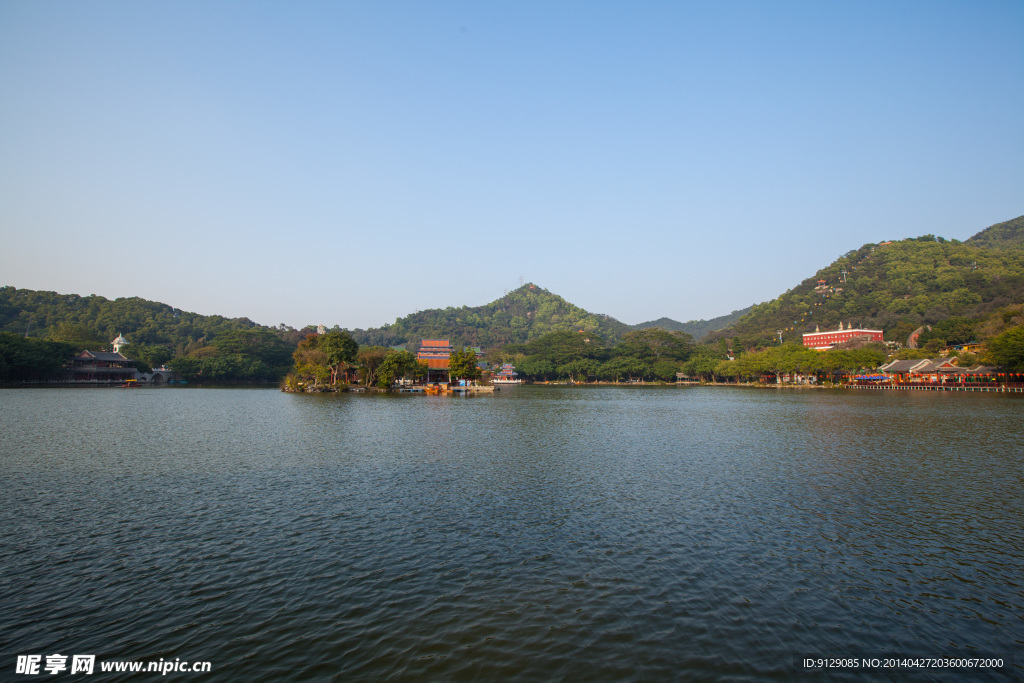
column 435, row 353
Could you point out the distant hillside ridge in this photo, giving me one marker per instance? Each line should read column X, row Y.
column 1008, row 234
column 895, row 286
column 520, row 316
column 698, row 329
column 39, row 330
column 39, row 314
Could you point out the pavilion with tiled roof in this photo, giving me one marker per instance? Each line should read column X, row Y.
column 435, row 354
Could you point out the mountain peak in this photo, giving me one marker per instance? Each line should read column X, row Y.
column 519, row 316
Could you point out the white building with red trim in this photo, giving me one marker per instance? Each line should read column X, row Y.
column 823, row 341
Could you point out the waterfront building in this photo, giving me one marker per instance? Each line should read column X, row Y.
column 104, row 367
column 507, row 375
column 435, row 354
column 822, row 341
column 936, row 370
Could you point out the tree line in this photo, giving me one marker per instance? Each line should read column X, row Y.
column 334, row 359
column 659, row 355
column 655, row 354
column 651, row 353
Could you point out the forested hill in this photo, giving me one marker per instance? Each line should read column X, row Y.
column 520, row 316
column 698, row 329
column 201, row 347
column 897, row 286
column 43, row 314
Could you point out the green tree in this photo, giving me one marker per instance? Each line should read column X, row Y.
column 398, row 364
column 654, row 344
column 869, row 357
column 612, row 369
column 911, row 354
column 341, row 350
column 82, row 337
column 562, row 347
column 729, row 369
column 255, row 344
column 23, row 360
column 535, row 368
column 665, row 369
column 236, row 355
column 369, row 359
column 578, row 369
column 965, row 359
column 312, row 364
column 703, row 363
column 148, row 356
column 1007, row 349
column 462, row 364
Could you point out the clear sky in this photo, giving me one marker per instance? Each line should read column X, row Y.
column 350, row 162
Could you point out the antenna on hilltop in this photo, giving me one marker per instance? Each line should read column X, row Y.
column 520, row 280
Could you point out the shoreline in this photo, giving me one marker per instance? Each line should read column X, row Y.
column 1001, row 389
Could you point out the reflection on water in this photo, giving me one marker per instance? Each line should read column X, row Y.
column 541, row 532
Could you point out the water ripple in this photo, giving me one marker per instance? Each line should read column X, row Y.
column 539, row 534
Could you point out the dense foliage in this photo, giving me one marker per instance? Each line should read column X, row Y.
column 462, row 364
column 142, row 321
column 32, row 360
column 399, row 365
column 798, row 359
column 203, row 348
column 240, row 355
column 1007, row 349
column 325, row 357
column 651, row 353
column 334, row 359
column 1001, row 235
column 520, row 316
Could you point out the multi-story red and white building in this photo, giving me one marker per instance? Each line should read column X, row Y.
column 827, row 340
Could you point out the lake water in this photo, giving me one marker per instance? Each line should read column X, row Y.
column 540, row 533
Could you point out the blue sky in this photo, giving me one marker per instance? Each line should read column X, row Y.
column 349, row 163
